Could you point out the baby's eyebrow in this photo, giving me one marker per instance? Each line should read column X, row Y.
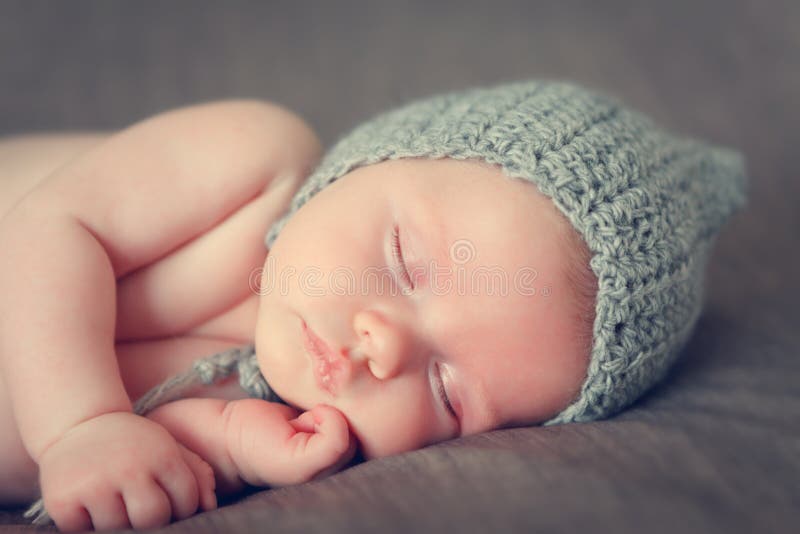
column 430, row 227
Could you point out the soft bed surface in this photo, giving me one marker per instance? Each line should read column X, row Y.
column 714, row 448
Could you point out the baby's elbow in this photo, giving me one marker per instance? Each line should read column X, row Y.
column 268, row 122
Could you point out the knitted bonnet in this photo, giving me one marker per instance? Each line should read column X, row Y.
column 649, row 205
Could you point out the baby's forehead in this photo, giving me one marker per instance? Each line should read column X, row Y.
column 448, row 175
column 473, row 200
column 469, row 184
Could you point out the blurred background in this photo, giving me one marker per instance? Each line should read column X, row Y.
column 699, row 66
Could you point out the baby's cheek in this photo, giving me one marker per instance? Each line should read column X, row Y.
column 393, row 427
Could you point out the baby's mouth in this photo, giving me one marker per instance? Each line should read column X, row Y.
column 330, row 369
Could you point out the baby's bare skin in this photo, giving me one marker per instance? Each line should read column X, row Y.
column 140, row 275
column 136, row 225
column 25, row 161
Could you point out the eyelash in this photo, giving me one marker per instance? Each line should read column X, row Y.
column 443, row 392
column 398, row 256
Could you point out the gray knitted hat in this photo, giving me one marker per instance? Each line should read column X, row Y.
column 648, row 204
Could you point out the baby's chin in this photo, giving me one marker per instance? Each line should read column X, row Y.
column 286, row 393
column 276, row 380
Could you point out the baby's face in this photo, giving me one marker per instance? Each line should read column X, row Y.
column 489, row 311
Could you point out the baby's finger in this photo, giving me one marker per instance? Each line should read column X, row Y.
column 332, row 425
column 147, row 504
column 304, row 422
column 108, row 511
column 180, row 485
column 343, row 461
column 317, row 451
column 69, row 518
column 204, row 475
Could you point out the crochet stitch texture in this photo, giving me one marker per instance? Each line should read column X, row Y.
column 648, row 203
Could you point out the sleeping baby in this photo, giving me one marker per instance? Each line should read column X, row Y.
column 530, row 253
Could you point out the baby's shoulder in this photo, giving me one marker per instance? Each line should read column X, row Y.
column 180, row 203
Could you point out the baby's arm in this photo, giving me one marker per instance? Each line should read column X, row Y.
column 258, row 442
column 123, row 205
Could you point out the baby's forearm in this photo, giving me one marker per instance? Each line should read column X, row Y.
column 198, row 424
column 215, row 429
column 57, row 318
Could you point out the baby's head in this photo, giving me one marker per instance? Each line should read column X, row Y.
column 555, row 242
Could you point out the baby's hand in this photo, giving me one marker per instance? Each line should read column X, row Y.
column 275, row 445
column 121, row 470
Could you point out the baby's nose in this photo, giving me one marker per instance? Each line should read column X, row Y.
column 385, row 347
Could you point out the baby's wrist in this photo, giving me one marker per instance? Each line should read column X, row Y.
column 94, row 419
